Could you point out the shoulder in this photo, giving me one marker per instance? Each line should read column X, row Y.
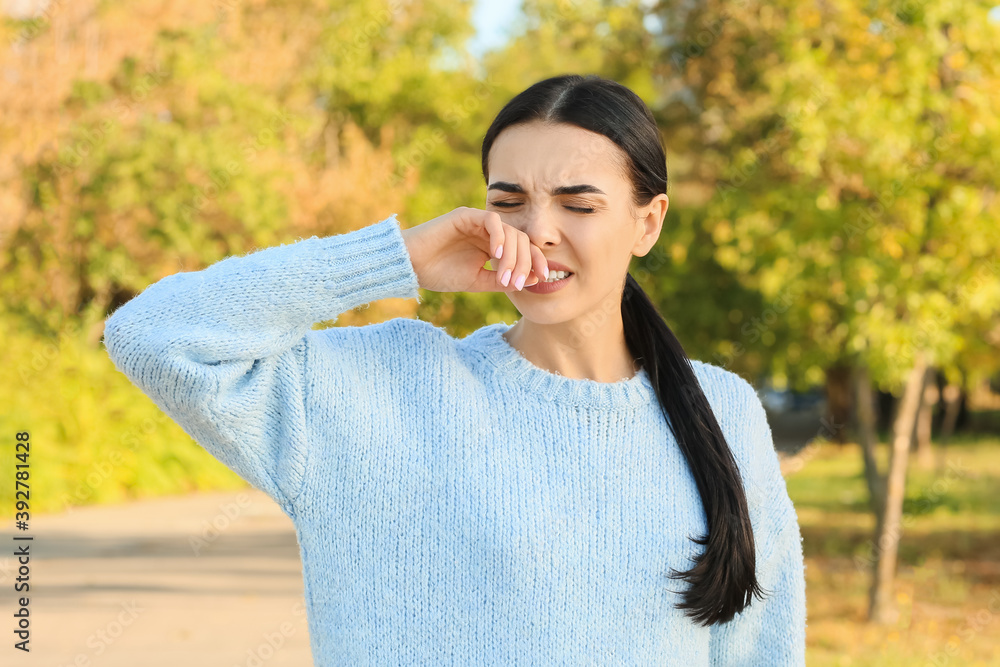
column 414, row 334
column 744, row 423
column 397, row 327
column 743, row 420
column 407, row 340
column 730, row 395
column 724, row 387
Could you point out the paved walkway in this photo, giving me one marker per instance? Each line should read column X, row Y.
column 209, row 579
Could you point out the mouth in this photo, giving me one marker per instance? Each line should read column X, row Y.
column 559, row 279
column 556, row 276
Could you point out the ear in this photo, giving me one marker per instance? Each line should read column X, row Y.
column 649, row 223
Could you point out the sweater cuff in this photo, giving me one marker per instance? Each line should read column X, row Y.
column 369, row 264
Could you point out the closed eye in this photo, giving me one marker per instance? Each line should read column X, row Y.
column 507, row 204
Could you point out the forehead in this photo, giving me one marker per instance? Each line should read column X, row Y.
column 538, row 156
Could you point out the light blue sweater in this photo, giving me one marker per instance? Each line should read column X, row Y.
column 455, row 504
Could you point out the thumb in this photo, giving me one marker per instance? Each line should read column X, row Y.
column 486, row 281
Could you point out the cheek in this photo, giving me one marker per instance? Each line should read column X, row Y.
column 602, row 246
column 607, row 252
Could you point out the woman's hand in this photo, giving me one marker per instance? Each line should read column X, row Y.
column 448, row 253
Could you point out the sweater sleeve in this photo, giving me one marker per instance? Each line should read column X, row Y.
column 223, row 351
column 770, row 632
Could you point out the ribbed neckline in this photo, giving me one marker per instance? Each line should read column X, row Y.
column 506, row 364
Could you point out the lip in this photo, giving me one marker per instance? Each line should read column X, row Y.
column 548, row 288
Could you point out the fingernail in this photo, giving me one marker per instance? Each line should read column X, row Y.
column 499, row 252
column 505, row 278
column 519, row 283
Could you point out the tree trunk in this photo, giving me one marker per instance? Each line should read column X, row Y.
column 886, row 404
column 952, row 396
column 925, row 421
column 868, row 438
column 331, row 143
column 888, row 531
column 838, row 399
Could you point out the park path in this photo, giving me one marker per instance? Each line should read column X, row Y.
column 208, row 579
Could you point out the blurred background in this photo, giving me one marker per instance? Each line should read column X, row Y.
column 833, row 237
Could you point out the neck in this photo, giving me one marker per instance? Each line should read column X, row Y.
column 576, row 349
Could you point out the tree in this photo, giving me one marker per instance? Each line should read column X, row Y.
column 226, row 135
column 851, row 147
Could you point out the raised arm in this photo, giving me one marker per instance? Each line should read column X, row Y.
column 222, row 351
column 770, row 632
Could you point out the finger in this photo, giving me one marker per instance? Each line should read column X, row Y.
column 506, row 264
column 492, row 223
column 522, row 266
column 494, row 228
column 486, row 281
column 539, row 266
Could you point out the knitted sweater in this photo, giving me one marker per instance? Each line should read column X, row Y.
column 455, row 504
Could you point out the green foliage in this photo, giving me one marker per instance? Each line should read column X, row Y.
column 131, row 195
column 95, row 438
column 841, row 141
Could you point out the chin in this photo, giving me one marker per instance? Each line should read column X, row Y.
column 546, row 314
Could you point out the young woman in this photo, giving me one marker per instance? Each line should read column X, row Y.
column 569, row 489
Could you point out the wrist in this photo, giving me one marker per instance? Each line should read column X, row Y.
column 408, row 241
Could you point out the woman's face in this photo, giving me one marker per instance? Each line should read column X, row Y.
column 592, row 228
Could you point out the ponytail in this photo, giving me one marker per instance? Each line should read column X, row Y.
column 722, row 580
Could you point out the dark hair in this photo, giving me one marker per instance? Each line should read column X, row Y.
column 723, row 579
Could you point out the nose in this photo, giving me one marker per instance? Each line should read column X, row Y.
column 541, row 226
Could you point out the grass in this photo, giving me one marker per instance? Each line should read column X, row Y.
column 947, row 588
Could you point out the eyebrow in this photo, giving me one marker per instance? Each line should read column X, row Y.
column 561, row 190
